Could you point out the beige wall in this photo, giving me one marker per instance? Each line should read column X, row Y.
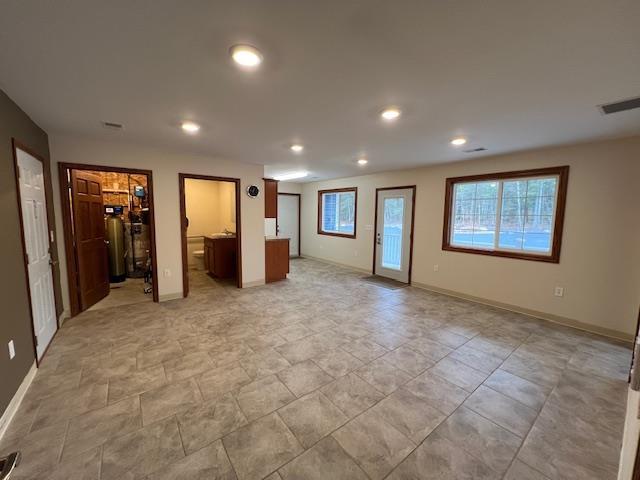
column 165, row 166
column 289, row 187
column 600, row 259
column 211, row 208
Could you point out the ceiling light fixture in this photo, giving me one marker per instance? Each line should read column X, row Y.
column 246, row 56
column 296, row 148
column 362, row 161
column 290, row 176
column 458, row 141
column 190, row 127
column 390, row 114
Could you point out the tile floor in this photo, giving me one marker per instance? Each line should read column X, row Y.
column 125, row 293
column 323, row 376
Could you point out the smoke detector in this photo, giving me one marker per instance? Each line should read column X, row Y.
column 112, row 125
column 474, row 150
column 621, row 106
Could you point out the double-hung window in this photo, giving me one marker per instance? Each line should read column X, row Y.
column 511, row 214
column 337, row 212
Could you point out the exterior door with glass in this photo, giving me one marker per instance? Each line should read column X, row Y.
column 393, row 233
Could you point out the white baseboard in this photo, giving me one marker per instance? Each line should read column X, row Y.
column 15, row 402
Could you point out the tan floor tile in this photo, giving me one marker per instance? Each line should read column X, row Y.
column 383, row 376
column 337, row 363
column 169, row 399
column 208, row 463
column 304, row 377
column 481, row 438
column 351, row 394
column 458, row 373
column 376, row 445
column 142, row 452
column 326, row 460
column 261, row 447
column 437, row 392
column 263, row 396
column 312, row 417
column 409, row 414
column 93, row 428
column 219, row 381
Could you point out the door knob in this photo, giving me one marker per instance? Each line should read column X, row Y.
column 106, row 242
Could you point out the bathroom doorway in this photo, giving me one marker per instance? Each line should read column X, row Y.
column 210, row 230
column 109, row 234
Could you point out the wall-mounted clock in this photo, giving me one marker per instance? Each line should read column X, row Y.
column 253, row 191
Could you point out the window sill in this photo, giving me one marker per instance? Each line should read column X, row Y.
column 332, row 234
column 500, row 253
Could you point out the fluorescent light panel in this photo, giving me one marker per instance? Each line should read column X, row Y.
column 291, row 176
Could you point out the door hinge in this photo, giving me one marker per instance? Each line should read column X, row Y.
column 36, row 340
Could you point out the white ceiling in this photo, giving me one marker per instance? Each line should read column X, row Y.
column 508, row 74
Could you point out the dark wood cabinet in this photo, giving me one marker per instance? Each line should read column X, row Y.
column 276, row 256
column 270, row 198
column 220, row 257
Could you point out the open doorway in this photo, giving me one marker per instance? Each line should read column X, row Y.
column 211, row 235
column 109, row 235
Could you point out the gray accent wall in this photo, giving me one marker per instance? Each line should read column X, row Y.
column 15, row 319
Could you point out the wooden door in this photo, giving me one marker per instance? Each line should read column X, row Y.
column 36, row 236
column 91, row 243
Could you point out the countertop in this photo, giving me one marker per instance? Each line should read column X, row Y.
column 269, row 238
column 218, row 237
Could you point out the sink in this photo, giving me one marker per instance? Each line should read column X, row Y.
column 222, row 235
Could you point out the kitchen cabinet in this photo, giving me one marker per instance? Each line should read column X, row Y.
column 270, row 198
column 276, row 256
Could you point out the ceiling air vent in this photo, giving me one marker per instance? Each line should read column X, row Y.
column 621, row 106
column 474, row 150
column 112, row 125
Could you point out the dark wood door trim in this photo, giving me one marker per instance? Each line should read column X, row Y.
column 17, row 145
column 413, row 217
column 67, row 223
column 183, row 226
column 299, row 195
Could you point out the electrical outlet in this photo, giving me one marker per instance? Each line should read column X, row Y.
column 559, row 292
column 436, row 268
column 167, row 272
column 12, row 350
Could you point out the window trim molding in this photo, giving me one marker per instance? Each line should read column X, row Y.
column 563, row 179
column 355, row 212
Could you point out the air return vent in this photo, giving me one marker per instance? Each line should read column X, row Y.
column 621, row 106
column 112, row 125
column 474, row 150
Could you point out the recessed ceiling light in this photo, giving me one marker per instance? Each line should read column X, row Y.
column 296, row 148
column 390, row 114
column 362, row 161
column 246, row 55
column 190, row 127
column 290, row 176
column 458, row 141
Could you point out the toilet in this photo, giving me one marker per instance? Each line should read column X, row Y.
column 198, row 256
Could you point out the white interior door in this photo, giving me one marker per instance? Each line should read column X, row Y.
column 36, row 239
column 393, row 233
column 288, row 221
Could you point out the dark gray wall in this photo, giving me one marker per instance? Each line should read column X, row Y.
column 15, row 319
